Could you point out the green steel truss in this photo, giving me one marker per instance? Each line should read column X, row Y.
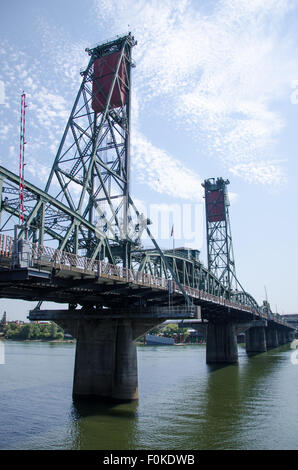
column 189, row 271
column 90, row 176
column 218, row 228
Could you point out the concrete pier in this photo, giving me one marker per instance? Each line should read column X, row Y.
column 291, row 336
column 106, row 360
column 256, row 339
column 281, row 337
column 271, row 338
column 106, row 355
column 221, row 343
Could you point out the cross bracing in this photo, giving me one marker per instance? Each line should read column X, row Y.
column 90, row 173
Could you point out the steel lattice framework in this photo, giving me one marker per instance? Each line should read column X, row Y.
column 85, row 205
column 219, row 238
column 93, row 157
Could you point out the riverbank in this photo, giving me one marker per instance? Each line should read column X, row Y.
column 62, row 341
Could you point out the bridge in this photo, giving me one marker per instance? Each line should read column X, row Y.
column 78, row 242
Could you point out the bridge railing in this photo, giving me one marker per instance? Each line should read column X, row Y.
column 44, row 255
column 49, row 256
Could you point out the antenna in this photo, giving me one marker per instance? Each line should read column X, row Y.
column 266, row 296
column 22, row 158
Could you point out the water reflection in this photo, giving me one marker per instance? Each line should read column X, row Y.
column 218, row 407
column 237, row 402
column 107, row 426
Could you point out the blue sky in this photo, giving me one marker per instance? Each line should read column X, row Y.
column 214, row 94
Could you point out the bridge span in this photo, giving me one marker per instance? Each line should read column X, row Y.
column 114, row 289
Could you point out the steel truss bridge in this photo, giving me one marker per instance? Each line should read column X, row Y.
column 176, row 272
column 80, row 240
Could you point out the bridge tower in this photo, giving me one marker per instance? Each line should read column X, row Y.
column 85, row 208
column 218, row 229
column 91, row 170
column 221, row 332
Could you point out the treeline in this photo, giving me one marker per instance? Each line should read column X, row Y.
column 170, row 330
column 33, row 331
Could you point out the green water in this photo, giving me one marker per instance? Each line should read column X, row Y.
column 184, row 404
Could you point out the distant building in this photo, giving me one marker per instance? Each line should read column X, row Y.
column 16, row 322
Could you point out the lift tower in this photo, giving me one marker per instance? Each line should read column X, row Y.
column 89, row 178
column 219, row 238
column 93, row 159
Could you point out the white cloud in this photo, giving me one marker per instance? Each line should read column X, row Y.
column 49, row 108
column 46, row 115
column 4, row 131
column 162, row 173
column 220, row 71
column 37, row 169
column 263, row 172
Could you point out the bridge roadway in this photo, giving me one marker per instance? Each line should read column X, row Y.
column 117, row 306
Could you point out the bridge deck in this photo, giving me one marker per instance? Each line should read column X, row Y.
column 63, row 277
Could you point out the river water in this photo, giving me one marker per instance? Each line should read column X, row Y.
column 183, row 403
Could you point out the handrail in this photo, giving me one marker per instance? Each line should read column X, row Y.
column 58, row 258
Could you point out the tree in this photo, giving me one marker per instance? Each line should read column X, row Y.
column 26, row 331
column 170, row 330
column 60, row 335
column 54, row 330
column 12, row 331
column 45, row 331
column 3, row 321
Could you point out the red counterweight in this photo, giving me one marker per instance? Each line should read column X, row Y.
column 105, row 69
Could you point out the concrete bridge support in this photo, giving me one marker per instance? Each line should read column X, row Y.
column 256, row 339
column 106, row 360
column 281, row 337
column 291, row 336
column 106, row 355
column 221, row 343
column 271, row 338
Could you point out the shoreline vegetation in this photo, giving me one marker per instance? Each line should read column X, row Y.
column 33, row 332
column 51, row 332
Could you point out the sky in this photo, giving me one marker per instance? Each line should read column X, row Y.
column 215, row 94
